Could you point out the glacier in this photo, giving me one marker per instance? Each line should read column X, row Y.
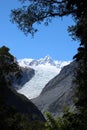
column 45, row 69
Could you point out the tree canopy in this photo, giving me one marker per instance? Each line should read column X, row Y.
column 37, row 11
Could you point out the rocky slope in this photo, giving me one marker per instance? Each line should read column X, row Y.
column 58, row 93
column 25, row 75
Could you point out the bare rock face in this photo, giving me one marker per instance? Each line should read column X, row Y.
column 24, row 76
column 59, row 92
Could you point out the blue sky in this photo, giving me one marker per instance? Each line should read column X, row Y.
column 52, row 40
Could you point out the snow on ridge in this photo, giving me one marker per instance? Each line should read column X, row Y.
column 24, row 62
column 45, row 69
column 47, row 61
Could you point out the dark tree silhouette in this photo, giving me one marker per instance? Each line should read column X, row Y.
column 8, row 64
column 37, row 11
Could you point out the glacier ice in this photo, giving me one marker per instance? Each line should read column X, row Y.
column 45, row 70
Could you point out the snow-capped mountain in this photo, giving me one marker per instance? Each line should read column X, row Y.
column 45, row 69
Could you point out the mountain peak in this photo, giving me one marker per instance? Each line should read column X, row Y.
column 47, row 60
column 48, row 57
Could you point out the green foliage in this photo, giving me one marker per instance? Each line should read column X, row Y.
column 52, row 124
column 5, row 56
column 69, row 121
column 55, row 124
column 8, row 64
column 4, row 50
